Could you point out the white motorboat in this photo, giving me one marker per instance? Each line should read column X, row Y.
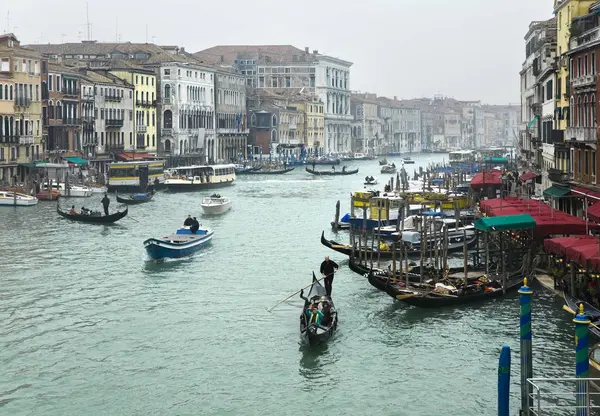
column 371, row 180
column 215, row 204
column 74, row 191
column 10, row 198
column 99, row 190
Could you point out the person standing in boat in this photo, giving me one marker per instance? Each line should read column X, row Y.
column 314, row 164
column 105, row 203
column 188, row 221
column 195, row 226
column 344, row 169
column 328, row 268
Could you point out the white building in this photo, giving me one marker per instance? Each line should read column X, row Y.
column 231, row 127
column 187, row 106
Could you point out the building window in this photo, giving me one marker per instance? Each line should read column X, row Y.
column 593, row 63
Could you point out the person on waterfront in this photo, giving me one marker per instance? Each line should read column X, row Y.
column 195, row 226
column 105, row 203
column 328, row 268
column 188, row 221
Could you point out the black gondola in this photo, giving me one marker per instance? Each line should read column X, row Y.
column 346, row 249
column 247, row 170
column 134, row 199
column 331, row 172
column 313, row 334
column 270, row 172
column 94, row 218
column 590, row 311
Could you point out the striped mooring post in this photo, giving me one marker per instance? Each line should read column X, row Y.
column 582, row 364
column 504, row 381
column 525, row 294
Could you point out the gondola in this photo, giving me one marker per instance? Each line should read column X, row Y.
column 387, row 254
column 95, row 218
column 246, row 170
column 331, row 172
column 472, row 293
column 134, row 199
column 270, row 172
column 383, row 162
column 312, row 334
column 590, row 311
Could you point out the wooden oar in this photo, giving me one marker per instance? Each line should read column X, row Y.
column 293, row 294
column 572, row 312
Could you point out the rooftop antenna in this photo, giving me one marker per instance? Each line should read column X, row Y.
column 89, row 26
column 117, row 30
column 7, row 28
column 146, row 33
column 62, row 38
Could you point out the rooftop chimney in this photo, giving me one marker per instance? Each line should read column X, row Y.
column 222, row 59
column 395, row 98
column 307, row 49
column 315, row 51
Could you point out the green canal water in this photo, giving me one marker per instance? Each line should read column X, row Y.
column 89, row 327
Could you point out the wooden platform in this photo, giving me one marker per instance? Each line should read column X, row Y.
column 547, row 282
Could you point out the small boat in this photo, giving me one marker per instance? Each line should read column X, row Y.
column 242, row 170
column 181, row 244
column 10, row 198
column 71, row 191
column 48, row 195
column 311, row 333
column 99, row 189
column 343, row 223
column 215, row 204
column 370, row 180
column 388, row 169
column 270, row 172
column 93, row 217
column 134, row 199
column 383, row 162
column 323, row 161
column 593, row 313
column 331, row 172
column 408, row 161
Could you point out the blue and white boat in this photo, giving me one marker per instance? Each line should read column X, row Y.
column 178, row 245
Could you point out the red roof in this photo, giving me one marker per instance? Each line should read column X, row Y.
column 561, row 244
column 548, row 221
column 135, row 156
column 593, row 212
column 483, row 179
column 582, row 192
column 528, row 176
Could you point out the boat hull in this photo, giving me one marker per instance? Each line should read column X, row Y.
column 94, row 219
column 159, row 249
column 130, row 200
column 21, row 200
column 76, row 193
column 191, row 186
column 216, row 209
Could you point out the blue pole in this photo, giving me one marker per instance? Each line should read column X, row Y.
column 504, row 381
column 582, row 364
column 526, row 354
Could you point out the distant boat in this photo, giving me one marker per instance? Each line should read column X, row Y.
column 270, row 171
column 215, row 204
column 181, row 244
column 370, row 180
column 388, row 169
column 10, row 198
column 93, row 217
column 331, row 172
column 311, row 332
column 408, row 161
column 135, row 199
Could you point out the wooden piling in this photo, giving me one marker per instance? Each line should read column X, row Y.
column 466, row 259
column 337, row 216
column 422, row 235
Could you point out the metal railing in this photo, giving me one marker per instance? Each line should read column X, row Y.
column 558, row 396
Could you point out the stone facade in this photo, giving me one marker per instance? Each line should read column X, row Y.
column 231, row 129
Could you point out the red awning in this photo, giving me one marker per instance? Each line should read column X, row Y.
column 593, row 212
column 548, row 221
column 582, row 192
column 560, row 245
column 581, row 254
column 135, row 156
column 528, row 176
column 483, row 179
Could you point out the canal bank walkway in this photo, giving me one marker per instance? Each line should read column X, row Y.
column 547, row 282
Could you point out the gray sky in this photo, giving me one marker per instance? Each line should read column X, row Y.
column 468, row 49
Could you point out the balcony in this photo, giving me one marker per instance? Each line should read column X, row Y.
column 557, row 137
column 116, row 123
column 166, row 132
column 145, row 103
column 22, row 101
column 141, row 129
column 558, row 176
column 166, row 100
column 114, row 147
column 88, row 119
column 88, row 96
column 26, row 139
column 581, row 134
column 114, row 98
column 584, row 81
column 72, row 92
column 232, row 131
column 71, row 122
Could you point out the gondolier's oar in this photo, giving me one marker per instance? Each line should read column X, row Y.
column 293, row 294
column 572, row 312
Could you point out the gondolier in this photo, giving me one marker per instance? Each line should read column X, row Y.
column 105, row 203
column 328, row 268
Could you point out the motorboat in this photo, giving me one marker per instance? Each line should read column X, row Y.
column 99, row 189
column 215, row 204
column 408, row 161
column 10, row 198
column 73, row 191
column 370, row 180
column 181, row 244
column 388, row 169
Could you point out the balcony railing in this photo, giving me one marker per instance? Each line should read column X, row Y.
column 115, row 98
column 88, row 97
column 87, row 119
column 558, row 176
column 581, row 134
column 232, row 131
column 26, row 139
column 22, row 102
column 114, row 147
column 584, row 81
column 114, row 122
column 71, row 121
column 145, row 103
column 141, row 128
column 72, row 92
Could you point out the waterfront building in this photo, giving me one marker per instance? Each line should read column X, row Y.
column 20, row 76
column 401, row 125
column 367, row 135
column 230, row 118
column 313, row 131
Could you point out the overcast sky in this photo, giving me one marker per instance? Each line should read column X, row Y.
column 468, row 49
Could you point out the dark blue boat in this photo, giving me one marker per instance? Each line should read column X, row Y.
column 181, row 244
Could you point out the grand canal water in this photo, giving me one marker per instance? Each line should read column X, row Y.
column 89, row 327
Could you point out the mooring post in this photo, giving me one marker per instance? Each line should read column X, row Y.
column 582, row 364
column 337, row 216
column 504, row 381
column 526, row 354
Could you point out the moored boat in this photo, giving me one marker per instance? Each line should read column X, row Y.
column 270, row 171
column 135, row 199
column 71, row 191
column 370, row 180
column 181, row 244
column 388, row 169
column 92, row 217
column 332, row 172
column 195, row 178
column 242, row 170
column 215, row 204
column 311, row 332
column 52, row 195
column 10, row 198
column 593, row 313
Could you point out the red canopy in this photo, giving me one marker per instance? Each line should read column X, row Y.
column 528, row 176
column 483, row 179
column 581, row 254
column 593, row 212
column 135, row 156
column 561, row 244
column 548, row 221
column 582, row 192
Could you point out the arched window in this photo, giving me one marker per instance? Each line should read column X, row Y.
column 11, row 93
column 167, row 91
column 168, row 119
column 153, row 140
column 274, row 136
column 579, row 112
column 593, row 112
column 571, row 112
column 586, row 113
column 50, row 109
column 6, row 92
column 253, row 119
column 274, row 120
column 1, row 93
